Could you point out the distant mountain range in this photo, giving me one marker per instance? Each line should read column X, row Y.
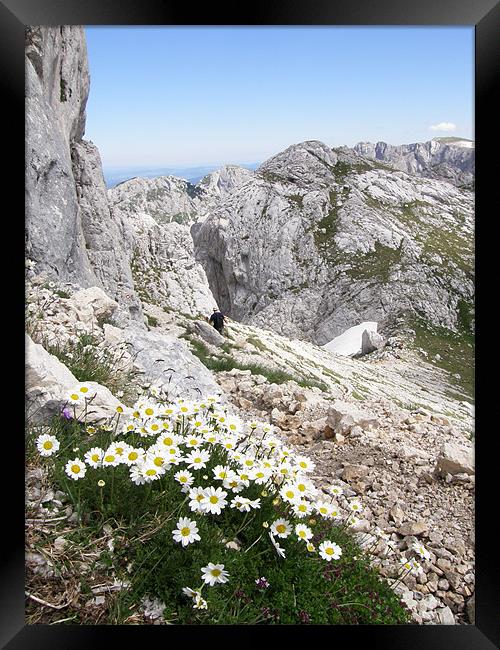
column 115, row 175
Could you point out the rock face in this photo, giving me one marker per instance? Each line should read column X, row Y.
column 164, row 269
column 318, row 239
column 70, row 232
column 450, row 159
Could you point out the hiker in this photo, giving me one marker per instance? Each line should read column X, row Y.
column 217, row 319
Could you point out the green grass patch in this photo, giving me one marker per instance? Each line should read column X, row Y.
column 456, row 350
column 90, row 362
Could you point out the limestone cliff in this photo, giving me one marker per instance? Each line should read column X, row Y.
column 71, row 233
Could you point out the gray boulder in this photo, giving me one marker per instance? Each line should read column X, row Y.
column 453, row 459
column 371, row 341
column 208, row 333
column 166, row 360
column 344, row 415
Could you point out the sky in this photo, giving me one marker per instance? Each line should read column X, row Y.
column 186, row 96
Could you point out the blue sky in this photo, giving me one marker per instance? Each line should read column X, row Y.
column 192, row 96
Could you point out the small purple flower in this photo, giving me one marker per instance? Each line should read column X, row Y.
column 262, row 583
column 66, row 413
column 304, row 616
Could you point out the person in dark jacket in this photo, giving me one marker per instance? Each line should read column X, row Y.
column 217, row 319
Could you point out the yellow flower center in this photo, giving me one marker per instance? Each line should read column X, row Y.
column 158, row 461
column 149, row 411
column 84, row 389
column 47, row 444
column 281, row 528
column 185, row 531
column 119, row 409
column 290, row 494
column 329, row 551
column 216, row 572
column 302, row 533
column 95, row 457
column 302, row 464
column 302, row 508
column 109, row 458
column 301, row 487
column 182, row 479
column 214, row 499
column 151, row 472
column 74, row 397
column 75, row 469
column 133, row 455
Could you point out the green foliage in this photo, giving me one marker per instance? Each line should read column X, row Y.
column 152, row 320
column 63, row 90
column 374, row 264
column 90, row 362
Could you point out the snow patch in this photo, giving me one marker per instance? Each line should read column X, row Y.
column 349, row 342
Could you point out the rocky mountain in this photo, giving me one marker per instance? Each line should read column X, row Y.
column 450, row 159
column 319, row 239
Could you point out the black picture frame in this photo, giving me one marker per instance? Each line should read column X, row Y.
column 485, row 16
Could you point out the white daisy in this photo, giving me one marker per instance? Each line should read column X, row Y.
column 94, row 456
column 303, row 532
column 184, row 477
column 110, row 458
column 214, row 500
column 133, row 456
column 214, row 573
column 85, row 390
column 136, row 474
column 329, row 550
column 75, row 469
column 151, row 472
column 281, row 528
column 47, row 444
column 157, row 456
column 197, row 459
column 302, row 508
column 74, row 397
column 421, row 550
column 222, row 472
column 196, row 496
column 305, row 464
column 355, row 506
column 186, row 531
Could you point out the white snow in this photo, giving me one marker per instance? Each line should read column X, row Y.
column 349, row 342
column 465, row 143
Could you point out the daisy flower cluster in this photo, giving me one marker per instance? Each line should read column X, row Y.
column 221, row 467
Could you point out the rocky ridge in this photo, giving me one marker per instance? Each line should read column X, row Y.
column 449, row 159
column 320, row 239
